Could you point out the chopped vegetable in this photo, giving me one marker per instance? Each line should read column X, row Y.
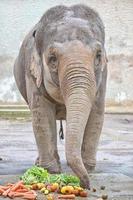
column 54, row 187
column 78, row 188
column 67, row 189
column 50, row 197
column 34, row 186
column 83, row 193
column 40, row 185
column 43, row 189
column 76, row 192
column 46, row 192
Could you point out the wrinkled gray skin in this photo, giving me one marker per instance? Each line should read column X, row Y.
column 61, row 73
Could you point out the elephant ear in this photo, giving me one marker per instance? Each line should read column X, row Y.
column 36, row 64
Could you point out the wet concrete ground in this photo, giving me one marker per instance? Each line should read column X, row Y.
column 114, row 159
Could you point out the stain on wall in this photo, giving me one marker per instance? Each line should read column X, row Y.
column 17, row 17
column 119, row 85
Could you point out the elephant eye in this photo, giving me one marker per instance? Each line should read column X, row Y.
column 98, row 58
column 52, row 61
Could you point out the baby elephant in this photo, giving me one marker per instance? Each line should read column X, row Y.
column 61, row 73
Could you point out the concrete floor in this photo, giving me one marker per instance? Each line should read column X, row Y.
column 114, row 159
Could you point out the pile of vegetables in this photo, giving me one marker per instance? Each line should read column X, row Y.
column 62, row 186
column 68, row 186
column 39, row 175
column 54, row 186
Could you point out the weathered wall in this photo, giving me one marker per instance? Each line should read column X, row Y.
column 17, row 17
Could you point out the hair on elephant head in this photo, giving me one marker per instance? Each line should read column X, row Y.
column 68, row 58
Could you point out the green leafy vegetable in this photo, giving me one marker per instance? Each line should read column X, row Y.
column 39, row 175
column 64, row 179
column 35, row 175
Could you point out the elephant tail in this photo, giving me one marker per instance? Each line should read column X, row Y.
column 61, row 132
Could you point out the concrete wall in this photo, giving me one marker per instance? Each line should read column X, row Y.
column 17, row 17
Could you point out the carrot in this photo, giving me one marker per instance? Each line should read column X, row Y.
column 5, row 193
column 1, row 190
column 33, row 192
column 30, row 192
column 24, row 195
column 4, row 187
column 17, row 190
column 11, row 194
column 18, row 194
column 22, row 190
column 30, row 197
column 69, row 196
column 9, row 184
column 17, row 186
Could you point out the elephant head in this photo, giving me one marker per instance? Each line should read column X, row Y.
column 69, row 58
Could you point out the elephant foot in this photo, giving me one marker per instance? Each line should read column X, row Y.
column 89, row 167
column 53, row 167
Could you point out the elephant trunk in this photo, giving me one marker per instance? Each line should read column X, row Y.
column 78, row 88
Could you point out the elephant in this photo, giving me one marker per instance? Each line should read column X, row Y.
column 61, row 72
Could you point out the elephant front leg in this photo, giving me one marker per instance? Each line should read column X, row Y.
column 91, row 139
column 44, row 126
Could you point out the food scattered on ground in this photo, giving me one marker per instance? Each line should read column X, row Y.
column 83, row 193
column 43, row 189
column 102, row 187
column 94, row 190
column 68, row 196
column 67, row 189
column 50, row 197
column 76, row 192
column 46, row 192
column 17, row 190
column 37, row 178
column 36, row 186
column 104, row 196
